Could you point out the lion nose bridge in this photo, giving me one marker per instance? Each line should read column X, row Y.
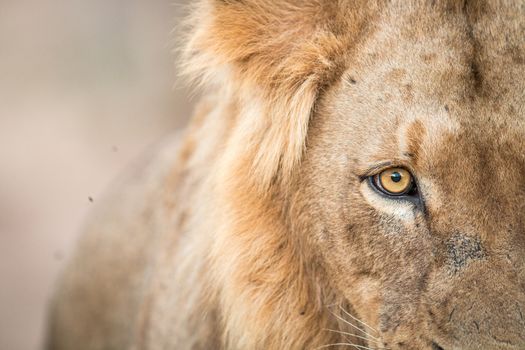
column 465, row 241
column 485, row 299
column 487, row 308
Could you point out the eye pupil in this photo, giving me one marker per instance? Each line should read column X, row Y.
column 396, row 177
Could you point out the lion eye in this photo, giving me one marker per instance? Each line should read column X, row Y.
column 394, row 182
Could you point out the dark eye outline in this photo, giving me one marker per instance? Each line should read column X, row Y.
column 411, row 193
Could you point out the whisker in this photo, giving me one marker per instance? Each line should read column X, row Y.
column 358, row 320
column 354, row 326
column 354, row 335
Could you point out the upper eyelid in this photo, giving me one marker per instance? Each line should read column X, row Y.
column 378, row 168
column 375, row 169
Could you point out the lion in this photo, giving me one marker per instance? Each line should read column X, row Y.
column 352, row 178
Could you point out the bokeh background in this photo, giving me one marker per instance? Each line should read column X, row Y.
column 85, row 87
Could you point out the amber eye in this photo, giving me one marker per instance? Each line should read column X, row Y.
column 394, row 182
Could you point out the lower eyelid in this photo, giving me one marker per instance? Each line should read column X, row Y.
column 400, row 207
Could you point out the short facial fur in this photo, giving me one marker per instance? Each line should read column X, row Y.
column 293, row 246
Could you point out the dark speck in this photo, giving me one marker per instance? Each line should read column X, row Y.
column 353, row 81
column 90, row 199
column 436, row 347
column 446, row 108
column 462, row 249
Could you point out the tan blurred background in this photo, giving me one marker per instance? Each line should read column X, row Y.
column 85, row 86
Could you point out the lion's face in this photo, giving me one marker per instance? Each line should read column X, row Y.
column 376, row 159
column 442, row 265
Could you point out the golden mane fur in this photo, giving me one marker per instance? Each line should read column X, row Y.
column 276, row 68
